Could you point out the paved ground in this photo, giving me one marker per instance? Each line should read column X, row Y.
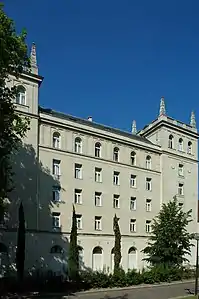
column 153, row 292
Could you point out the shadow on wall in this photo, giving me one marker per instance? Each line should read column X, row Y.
column 46, row 247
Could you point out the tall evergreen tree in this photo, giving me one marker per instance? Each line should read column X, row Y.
column 73, row 257
column 20, row 253
column 117, row 246
column 13, row 59
column 170, row 240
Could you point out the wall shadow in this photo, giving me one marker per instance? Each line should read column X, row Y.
column 33, row 187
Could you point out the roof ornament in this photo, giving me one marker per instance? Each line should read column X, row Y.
column 193, row 120
column 33, row 59
column 162, row 107
column 134, row 129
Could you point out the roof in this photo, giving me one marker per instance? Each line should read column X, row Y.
column 94, row 125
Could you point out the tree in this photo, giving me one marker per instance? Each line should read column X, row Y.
column 117, row 246
column 170, row 240
column 13, row 60
column 73, row 257
column 20, row 253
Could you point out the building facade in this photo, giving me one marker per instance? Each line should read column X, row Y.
column 102, row 171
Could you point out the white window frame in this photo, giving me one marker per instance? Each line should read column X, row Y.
column 56, row 194
column 133, row 225
column 170, row 143
column 148, row 226
column 98, row 223
column 98, row 175
column 133, row 203
column 98, row 199
column 56, row 220
column 181, row 189
column 116, row 154
column 21, row 95
column 78, row 171
column 78, row 145
column 189, row 148
column 133, row 158
column 116, row 201
column 180, row 145
column 79, row 221
column 148, row 162
column 78, row 196
column 57, row 168
column 116, row 178
column 148, row 204
column 98, row 150
column 148, row 184
column 133, row 181
column 181, row 169
column 56, row 140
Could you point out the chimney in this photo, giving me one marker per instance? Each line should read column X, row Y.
column 90, row 118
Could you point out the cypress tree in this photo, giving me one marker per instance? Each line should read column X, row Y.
column 117, row 247
column 73, row 258
column 20, row 252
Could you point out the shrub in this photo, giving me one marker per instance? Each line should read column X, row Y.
column 133, row 278
column 118, row 279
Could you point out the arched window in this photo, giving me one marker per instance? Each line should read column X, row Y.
column 132, row 258
column 97, row 149
column 189, row 148
column 180, row 145
column 148, row 162
column 97, row 263
column 56, row 140
column 133, row 158
column 78, row 145
column 116, row 154
column 56, row 249
column 21, row 95
column 112, row 259
column 171, row 145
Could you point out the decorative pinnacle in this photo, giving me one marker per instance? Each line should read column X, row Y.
column 162, row 107
column 33, row 59
column 134, row 129
column 193, row 120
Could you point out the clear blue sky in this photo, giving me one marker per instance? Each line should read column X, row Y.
column 114, row 59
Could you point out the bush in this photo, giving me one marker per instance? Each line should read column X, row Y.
column 118, row 279
column 133, row 278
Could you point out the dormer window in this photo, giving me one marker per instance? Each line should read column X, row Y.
column 78, row 145
column 148, row 162
column 56, row 140
column 133, row 158
column 21, row 95
column 180, row 145
column 189, row 148
column 171, row 145
column 97, row 150
column 116, row 154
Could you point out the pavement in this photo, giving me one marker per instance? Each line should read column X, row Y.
column 165, row 291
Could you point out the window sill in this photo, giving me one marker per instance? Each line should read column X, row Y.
column 97, row 182
column 22, row 105
column 133, row 187
column 78, row 178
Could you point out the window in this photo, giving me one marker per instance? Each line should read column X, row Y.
column 180, row 145
column 148, row 226
column 78, row 145
column 189, row 148
column 56, row 249
column 97, row 150
column 171, row 141
column 79, row 221
column 78, row 196
column 180, row 170
column 148, row 162
column 98, row 175
column 116, row 178
column 116, row 154
column 148, row 205
column 180, row 189
column 56, row 140
column 132, row 225
column 56, row 194
column 133, row 203
column 180, row 204
column 133, row 181
column 21, row 95
column 98, row 223
column 98, row 199
column 148, row 184
column 116, row 201
column 56, row 168
column 56, row 219
column 78, row 171
column 133, row 158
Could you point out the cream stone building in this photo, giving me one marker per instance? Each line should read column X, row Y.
column 103, row 171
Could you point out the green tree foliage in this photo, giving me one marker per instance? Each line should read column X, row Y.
column 117, row 246
column 169, row 241
column 73, row 257
column 20, row 253
column 13, row 59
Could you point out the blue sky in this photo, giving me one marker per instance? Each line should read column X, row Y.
column 112, row 59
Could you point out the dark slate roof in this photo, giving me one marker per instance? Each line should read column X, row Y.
column 94, row 125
